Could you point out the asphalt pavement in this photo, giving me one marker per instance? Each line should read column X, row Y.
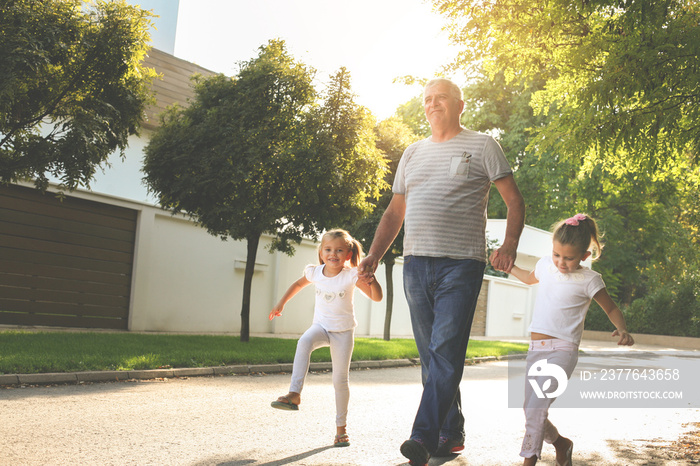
column 227, row 420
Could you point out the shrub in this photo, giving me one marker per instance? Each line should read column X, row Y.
column 671, row 310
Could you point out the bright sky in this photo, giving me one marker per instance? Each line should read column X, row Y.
column 376, row 40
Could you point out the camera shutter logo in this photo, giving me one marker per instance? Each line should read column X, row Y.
column 544, row 369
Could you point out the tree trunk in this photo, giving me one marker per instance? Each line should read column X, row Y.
column 248, row 285
column 388, row 269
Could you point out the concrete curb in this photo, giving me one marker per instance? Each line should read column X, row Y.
column 151, row 374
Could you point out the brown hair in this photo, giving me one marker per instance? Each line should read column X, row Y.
column 350, row 242
column 581, row 232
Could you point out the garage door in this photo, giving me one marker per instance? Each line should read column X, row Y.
column 64, row 262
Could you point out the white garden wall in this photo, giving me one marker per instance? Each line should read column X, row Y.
column 185, row 280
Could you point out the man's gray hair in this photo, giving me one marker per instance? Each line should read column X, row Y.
column 455, row 90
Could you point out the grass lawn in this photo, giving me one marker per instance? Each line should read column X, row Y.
column 24, row 352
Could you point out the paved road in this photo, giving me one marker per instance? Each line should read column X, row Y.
column 228, row 421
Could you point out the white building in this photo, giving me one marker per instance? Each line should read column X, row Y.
column 111, row 258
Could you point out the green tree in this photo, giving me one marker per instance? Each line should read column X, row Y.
column 72, row 86
column 344, row 138
column 393, row 136
column 622, row 84
column 649, row 222
column 253, row 154
column 413, row 115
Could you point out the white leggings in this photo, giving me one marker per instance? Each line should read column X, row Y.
column 538, row 428
column 341, row 344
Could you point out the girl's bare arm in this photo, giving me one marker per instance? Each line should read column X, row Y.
column 525, row 276
column 615, row 315
column 295, row 288
column 371, row 288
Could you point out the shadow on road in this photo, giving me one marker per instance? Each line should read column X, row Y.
column 289, row 460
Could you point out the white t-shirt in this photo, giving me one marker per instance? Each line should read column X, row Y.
column 563, row 300
column 334, row 310
column 446, row 186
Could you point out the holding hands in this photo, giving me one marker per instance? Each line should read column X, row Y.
column 366, row 269
column 365, row 278
column 503, row 258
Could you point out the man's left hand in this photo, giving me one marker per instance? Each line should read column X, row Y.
column 503, row 258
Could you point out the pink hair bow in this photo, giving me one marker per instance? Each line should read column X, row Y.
column 573, row 221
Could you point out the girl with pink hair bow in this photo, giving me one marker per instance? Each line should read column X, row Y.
column 564, row 295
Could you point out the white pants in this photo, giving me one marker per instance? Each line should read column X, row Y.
column 538, row 428
column 341, row 344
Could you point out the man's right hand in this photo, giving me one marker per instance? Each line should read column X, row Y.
column 367, row 267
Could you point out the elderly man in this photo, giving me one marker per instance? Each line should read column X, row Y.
column 441, row 193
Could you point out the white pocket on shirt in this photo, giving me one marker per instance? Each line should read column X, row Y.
column 459, row 165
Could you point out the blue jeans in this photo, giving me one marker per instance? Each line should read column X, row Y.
column 442, row 295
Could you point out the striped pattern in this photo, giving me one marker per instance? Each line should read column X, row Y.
column 446, row 187
column 174, row 85
column 64, row 263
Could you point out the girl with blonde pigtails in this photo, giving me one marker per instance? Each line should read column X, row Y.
column 334, row 321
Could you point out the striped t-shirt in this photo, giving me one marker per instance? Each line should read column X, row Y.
column 446, row 186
